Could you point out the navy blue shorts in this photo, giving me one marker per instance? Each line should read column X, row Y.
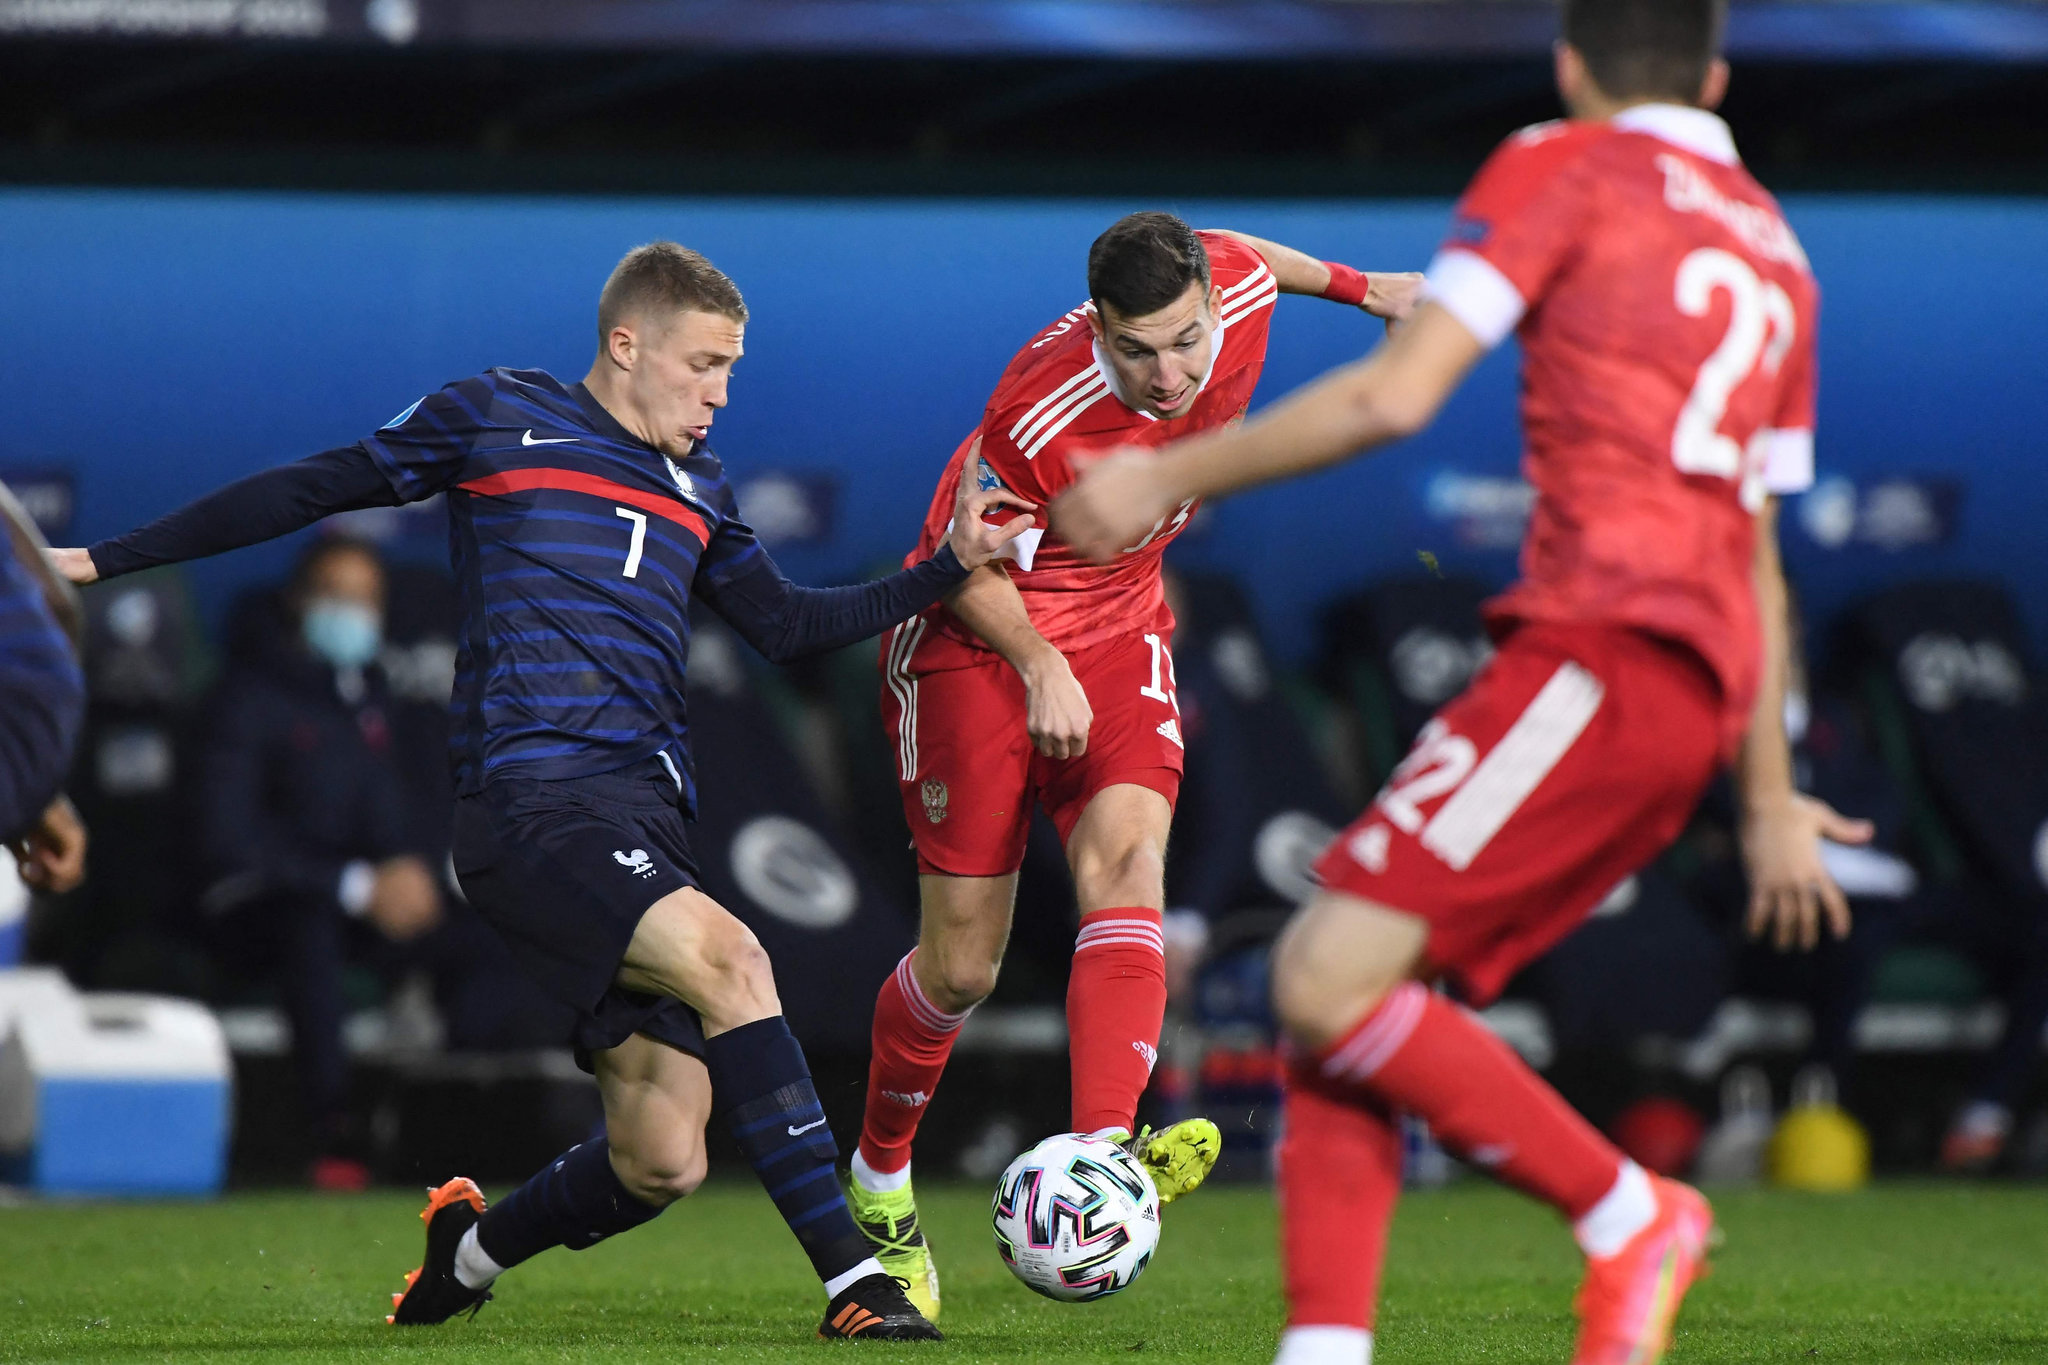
column 563, row 871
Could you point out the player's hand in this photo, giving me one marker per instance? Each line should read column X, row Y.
column 1056, row 710
column 1393, row 297
column 75, row 565
column 51, row 855
column 1790, row 891
column 404, row 903
column 1114, row 502
column 974, row 541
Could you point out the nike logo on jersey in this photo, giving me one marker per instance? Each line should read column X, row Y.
column 799, row 1132
column 529, row 439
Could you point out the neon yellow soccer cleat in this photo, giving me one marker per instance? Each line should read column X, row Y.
column 1178, row 1156
column 889, row 1222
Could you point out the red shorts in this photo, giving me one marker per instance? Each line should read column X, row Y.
column 1573, row 760
column 967, row 772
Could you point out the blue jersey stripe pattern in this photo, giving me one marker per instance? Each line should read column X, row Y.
column 575, row 548
column 42, row 697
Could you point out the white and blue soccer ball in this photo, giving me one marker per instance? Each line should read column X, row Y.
column 1076, row 1218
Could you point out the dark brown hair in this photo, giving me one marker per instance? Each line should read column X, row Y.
column 1144, row 262
column 665, row 277
column 1646, row 49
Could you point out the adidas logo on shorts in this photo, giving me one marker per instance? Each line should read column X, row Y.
column 1171, row 729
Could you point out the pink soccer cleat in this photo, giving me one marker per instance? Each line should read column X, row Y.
column 1628, row 1301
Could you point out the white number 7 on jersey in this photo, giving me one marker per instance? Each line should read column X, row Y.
column 639, row 520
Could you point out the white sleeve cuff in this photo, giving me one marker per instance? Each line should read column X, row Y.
column 1474, row 292
column 358, row 884
column 1024, row 548
column 1788, row 460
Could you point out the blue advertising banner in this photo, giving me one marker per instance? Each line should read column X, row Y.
column 160, row 343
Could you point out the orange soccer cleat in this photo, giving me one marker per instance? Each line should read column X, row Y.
column 1628, row 1301
column 432, row 1293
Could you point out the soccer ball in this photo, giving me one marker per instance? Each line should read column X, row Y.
column 1076, row 1218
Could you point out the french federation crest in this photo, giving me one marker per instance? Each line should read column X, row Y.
column 683, row 484
column 935, row 797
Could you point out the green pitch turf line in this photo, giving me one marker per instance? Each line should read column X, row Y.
column 1916, row 1272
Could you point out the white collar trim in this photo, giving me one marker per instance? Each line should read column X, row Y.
column 1108, row 371
column 1694, row 130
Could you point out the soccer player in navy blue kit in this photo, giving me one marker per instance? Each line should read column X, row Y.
column 582, row 518
column 42, row 704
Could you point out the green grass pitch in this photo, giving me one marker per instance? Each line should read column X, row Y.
column 1918, row 1272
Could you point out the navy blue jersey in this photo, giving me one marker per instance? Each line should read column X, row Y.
column 577, row 548
column 42, row 697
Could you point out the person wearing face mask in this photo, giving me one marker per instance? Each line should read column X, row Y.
column 301, row 822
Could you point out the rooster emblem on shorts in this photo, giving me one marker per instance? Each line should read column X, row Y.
column 935, row 797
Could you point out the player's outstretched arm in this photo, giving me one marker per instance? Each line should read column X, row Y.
column 1056, row 710
column 261, row 507
column 1389, row 294
column 1394, row 392
column 1790, row 889
column 737, row 579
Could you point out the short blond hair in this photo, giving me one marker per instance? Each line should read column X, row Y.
column 665, row 277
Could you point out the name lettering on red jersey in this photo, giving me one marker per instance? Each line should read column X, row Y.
column 1667, row 316
column 1687, row 190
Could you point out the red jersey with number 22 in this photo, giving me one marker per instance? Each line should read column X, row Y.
column 1059, row 399
column 1666, row 315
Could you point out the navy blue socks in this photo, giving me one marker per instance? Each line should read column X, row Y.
column 762, row 1085
column 576, row 1201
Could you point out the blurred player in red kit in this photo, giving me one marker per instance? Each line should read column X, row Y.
column 1050, row 681
column 1666, row 314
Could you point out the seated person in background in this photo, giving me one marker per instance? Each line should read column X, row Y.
column 301, row 822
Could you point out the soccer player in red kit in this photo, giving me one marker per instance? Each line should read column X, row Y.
column 1050, row 681
column 1666, row 314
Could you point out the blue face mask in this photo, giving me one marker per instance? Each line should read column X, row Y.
column 346, row 634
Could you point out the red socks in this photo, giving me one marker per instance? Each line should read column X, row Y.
column 1340, row 1173
column 1421, row 1053
column 911, row 1041
column 1340, row 1161
column 1116, row 1002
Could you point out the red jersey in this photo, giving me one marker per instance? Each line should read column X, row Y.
column 1059, row 398
column 1666, row 315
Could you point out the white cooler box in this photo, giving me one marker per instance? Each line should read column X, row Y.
column 110, row 1094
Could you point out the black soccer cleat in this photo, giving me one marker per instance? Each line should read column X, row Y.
column 432, row 1293
column 875, row 1308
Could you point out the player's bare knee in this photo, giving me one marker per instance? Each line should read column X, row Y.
column 1123, row 873
column 669, row 1171
column 740, row 979
column 1324, row 982
column 965, row 980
